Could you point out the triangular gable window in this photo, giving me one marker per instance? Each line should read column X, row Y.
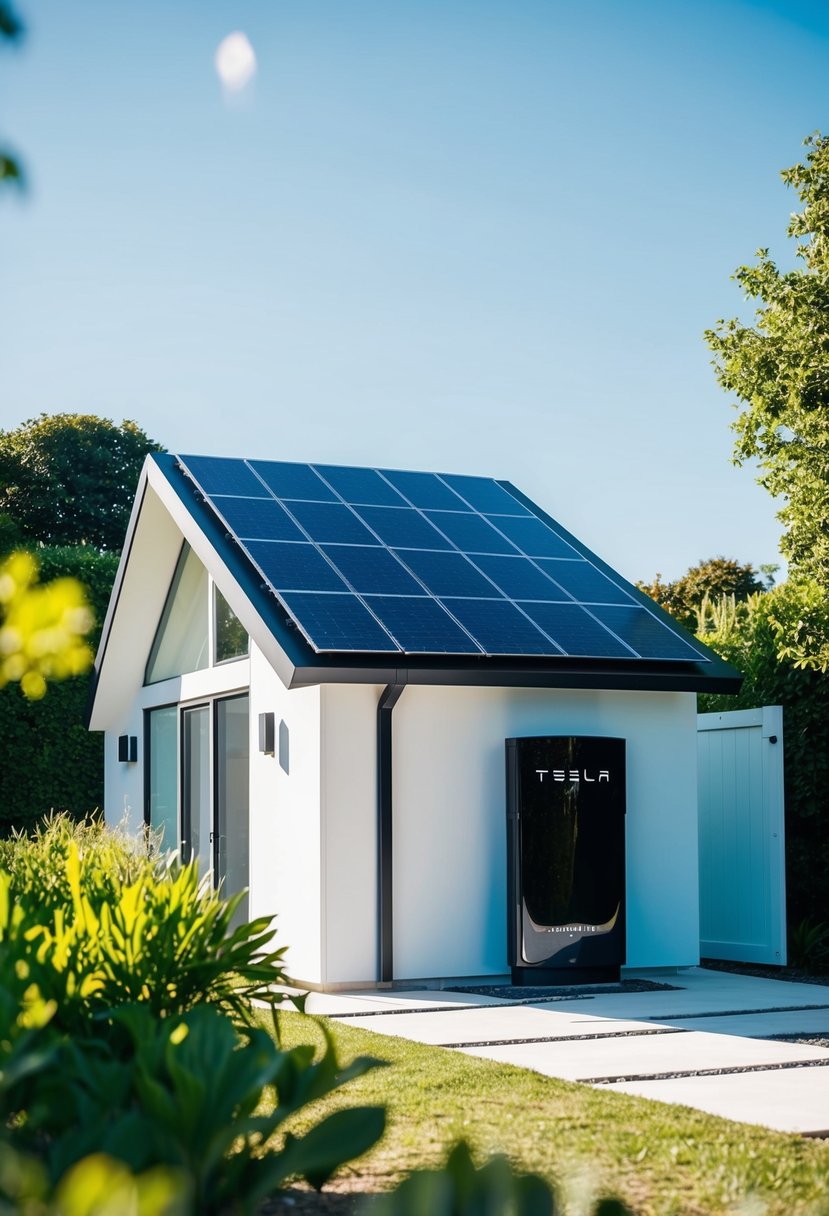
column 231, row 639
column 181, row 642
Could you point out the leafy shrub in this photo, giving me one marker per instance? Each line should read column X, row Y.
column 96, row 1186
column 132, row 1070
column 459, row 1189
column 94, row 924
column 37, row 866
column 187, row 1094
column 766, row 640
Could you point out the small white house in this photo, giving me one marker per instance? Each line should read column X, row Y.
column 307, row 676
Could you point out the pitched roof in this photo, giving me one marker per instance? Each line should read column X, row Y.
column 370, row 575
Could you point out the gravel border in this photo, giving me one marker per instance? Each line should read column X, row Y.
column 763, row 971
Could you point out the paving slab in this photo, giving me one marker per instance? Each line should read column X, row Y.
column 446, row 1028
column 627, row 1058
column 813, row 1022
column 714, row 1023
column 788, row 1100
column 339, row 1004
column 702, row 993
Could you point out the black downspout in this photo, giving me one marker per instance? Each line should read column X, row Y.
column 385, row 820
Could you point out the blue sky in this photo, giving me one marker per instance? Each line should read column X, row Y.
column 474, row 237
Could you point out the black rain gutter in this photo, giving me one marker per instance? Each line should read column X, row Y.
column 385, row 823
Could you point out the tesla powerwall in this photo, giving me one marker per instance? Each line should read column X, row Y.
column 566, row 858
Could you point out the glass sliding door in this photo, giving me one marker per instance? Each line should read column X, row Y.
column 232, row 850
column 214, row 784
column 196, row 827
column 161, row 811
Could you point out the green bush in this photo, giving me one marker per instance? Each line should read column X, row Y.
column 95, row 923
column 187, row 1094
column 131, row 1062
column 48, row 758
column 766, row 639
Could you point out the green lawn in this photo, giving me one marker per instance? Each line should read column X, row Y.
column 660, row 1159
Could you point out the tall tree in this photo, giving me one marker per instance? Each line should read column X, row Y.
column 70, row 479
column 779, row 370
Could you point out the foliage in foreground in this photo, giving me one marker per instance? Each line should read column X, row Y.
column 43, row 627
column 129, row 1052
column 96, row 923
column 186, row 1094
column 457, row 1188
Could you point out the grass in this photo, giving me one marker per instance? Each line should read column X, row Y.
column 662, row 1160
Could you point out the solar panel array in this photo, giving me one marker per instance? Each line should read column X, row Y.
column 386, row 562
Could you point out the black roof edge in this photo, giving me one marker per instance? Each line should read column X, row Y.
column 719, row 668
column 714, row 675
column 495, row 674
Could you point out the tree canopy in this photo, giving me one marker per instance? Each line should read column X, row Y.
column 70, row 478
column 779, row 370
column 708, row 580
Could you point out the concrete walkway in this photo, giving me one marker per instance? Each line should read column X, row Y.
column 712, row 1043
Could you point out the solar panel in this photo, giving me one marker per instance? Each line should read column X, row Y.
column 534, row 538
column 501, row 627
column 584, row 582
column 256, row 518
column 448, row 574
column 332, row 523
column 374, row 569
column 338, row 622
column 403, row 528
column 224, row 475
column 486, row 496
column 576, row 632
column 421, row 625
column 293, row 481
column 519, row 578
column 360, row 486
column 470, row 533
column 294, row 567
column 398, row 562
column 647, row 635
column 426, row 491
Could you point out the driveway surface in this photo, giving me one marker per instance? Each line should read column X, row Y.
column 732, row 1045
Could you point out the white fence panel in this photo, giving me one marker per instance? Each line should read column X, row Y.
column 741, row 836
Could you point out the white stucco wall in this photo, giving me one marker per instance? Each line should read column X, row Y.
column 450, row 831
column 349, row 817
column 286, row 856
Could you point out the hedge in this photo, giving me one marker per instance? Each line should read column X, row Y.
column 48, row 759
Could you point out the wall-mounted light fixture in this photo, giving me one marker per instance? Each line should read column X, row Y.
column 266, row 734
column 127, row 749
